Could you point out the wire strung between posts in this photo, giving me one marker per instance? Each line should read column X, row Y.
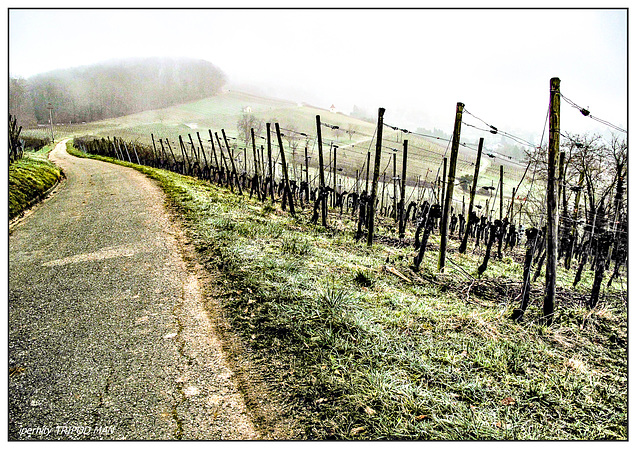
column 494, row 130
column 585, row 112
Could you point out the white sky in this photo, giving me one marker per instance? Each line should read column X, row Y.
column 415, row 63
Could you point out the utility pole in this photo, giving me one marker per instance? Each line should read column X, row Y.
column 376, row 174
column 50, row 107
column 463, row 245
column 452, row 175
column 552, row 205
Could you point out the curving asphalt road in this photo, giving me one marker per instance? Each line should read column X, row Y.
column 107, row 335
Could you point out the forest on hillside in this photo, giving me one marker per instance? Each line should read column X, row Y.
column 111, row 89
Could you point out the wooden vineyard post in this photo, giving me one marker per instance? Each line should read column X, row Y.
column 403, row 182
column 511, row 207
column 306, row 167
column 285, row 174
column 134, row 152
column 233, row 164
column 194, row 149
column 204, row 155
column 574, row 220
column 183, row 150
column 552, row 205
column 255, row 154
column 501, row 218
column 376, row 174
column 175, row 162
column 155, row 151
column 213, row 152
column 394, row 211
column 366, row 183
column 444, row 185
column 224, row 160
column 269, row 162
column 452, row 175
column 335, row 176
column 321, row 191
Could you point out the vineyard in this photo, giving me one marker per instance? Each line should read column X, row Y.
column 388, row 284
column 276, row 164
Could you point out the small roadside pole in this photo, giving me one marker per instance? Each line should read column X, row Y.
column 376, row 174
column 552, row 205
column 452, row 175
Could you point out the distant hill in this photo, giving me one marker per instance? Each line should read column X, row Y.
column 113, row 88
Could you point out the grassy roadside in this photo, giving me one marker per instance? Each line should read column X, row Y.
column 356, row 352
column 29, row 179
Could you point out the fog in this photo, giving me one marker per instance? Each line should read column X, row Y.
column 417, row 64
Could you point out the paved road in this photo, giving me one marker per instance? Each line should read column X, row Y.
column 107, row 335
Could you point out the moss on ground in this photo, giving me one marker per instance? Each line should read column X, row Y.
column 29, row 179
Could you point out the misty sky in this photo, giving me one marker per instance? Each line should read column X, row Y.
column 417, row 63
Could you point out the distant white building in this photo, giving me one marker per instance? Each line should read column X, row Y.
column 247, row 109
column 332, row 109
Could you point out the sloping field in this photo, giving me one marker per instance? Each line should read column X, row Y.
column 223, row 111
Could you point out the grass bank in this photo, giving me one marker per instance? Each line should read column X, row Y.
column 358, row 347
column 29, row 180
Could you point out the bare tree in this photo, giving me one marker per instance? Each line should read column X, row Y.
column 245, row 123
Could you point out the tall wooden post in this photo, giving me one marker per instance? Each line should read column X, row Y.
column 323, row 207
column 224, row 159
column 306, row 167
column 194, row 149
column 559, row 185
column 366, row 184
column 552, row 205
column 403, row 183
column 204, row 155
column 213, row 152
column 444, row 190
column 455, row 144
column 233, row 164
column 335, row 176
column 255, row 154
column 269, row 162
column 376, row 174
column 394, row 211
column 501, row 191
column 511, row 208
column 285, row 173
column 155, row 151
column 444, row 185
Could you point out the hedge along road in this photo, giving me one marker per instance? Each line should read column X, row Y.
column 108, row 338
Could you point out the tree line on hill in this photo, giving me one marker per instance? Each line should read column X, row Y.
column 111, row 89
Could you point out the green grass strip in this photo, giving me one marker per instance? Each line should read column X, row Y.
column 29, row 180
column 355, row 352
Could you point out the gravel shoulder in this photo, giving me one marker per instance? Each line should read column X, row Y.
column 108, row 333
